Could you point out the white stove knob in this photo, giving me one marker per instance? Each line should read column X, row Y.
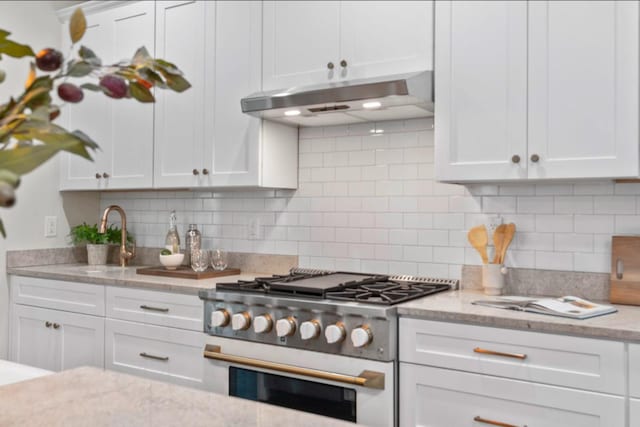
column 310, row 329
column 285, row 326
column 262, row 324
column 335, row 333
column 240, row 321
column 361, row 336
column 220, row 318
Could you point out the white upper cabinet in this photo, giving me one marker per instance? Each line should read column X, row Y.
column 180, row 117
column 536, row 90
column 317, row 42
column 122, row 128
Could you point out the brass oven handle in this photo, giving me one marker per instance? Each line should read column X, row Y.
column 148, row 307
column 492, row 422
column 499, row 353
column 151, row 356
column 369, row 379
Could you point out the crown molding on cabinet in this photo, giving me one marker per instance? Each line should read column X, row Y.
column 89, row 7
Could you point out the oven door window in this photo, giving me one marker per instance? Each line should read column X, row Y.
column 308, row 396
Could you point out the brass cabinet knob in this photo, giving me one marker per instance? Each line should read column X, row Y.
column 56, row 326
column 205, row 171
column 196, row 172
column 535, row 158
column 330, row 65
column 47, row 324
column 105, row 175
column 98, row 176
column 343, row 63
column 515, row 158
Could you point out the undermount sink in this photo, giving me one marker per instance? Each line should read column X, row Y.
column 97, row 269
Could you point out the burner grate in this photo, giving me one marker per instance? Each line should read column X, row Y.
column 387, row 293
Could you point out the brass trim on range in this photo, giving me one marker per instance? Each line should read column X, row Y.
column 368, row 379
column 492, row 422
column 499, row 353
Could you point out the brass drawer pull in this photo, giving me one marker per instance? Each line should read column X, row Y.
column 151, row 356
column 48, row 324
column 492, row 422
column 148, row 307
column 499, row 353
column 369, row 379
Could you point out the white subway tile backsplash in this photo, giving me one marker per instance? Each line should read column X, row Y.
column 370, row 203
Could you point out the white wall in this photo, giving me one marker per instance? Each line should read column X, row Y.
column 370, row 203
column 34, row 23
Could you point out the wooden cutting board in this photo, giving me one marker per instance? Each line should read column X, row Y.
column 625, row 270
column 184, row 272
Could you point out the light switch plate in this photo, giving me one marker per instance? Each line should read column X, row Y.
column 50, row 226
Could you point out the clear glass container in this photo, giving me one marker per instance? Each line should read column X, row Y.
column 172, row 241
column 192, row 241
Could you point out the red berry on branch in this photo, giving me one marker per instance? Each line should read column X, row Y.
column 70, row 92
column 49, row 59
column 115, row 86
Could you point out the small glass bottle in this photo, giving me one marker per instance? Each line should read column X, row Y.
column 192, row 241
column 172, row 241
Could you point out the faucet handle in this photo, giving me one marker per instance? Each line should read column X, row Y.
column 132, row 253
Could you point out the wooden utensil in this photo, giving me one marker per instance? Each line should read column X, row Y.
column 498, row 241
column 478, row 238
column 510, row 230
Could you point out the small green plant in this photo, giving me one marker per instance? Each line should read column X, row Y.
column 85, row 233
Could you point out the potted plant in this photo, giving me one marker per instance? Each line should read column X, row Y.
column 98, row 244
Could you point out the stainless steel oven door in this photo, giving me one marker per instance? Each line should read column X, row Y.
column 341, row 387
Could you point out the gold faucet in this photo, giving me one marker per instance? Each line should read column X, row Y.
column 125, row 255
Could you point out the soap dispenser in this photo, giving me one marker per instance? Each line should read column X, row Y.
column 172, row 241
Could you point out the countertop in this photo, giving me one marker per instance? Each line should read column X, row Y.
column 91, row 396
column 115, row 275
column 455, row 306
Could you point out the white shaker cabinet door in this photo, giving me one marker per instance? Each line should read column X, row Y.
column 300, row 43
column 583, row 89
column 480, row 90
column 32, row 341
column 385, row 37
column 180, row 117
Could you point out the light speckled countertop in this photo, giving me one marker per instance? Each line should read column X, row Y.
column 456, row 306
column 91, row 396
column 124, row 276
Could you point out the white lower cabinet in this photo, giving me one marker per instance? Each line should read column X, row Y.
column 157, row 352
column 437, row 397
column 56, row 340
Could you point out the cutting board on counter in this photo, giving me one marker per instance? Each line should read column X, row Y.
column 184, row 272
column 625, row 270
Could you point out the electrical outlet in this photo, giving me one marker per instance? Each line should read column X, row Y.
column 253, row 231
column 50, row 226
column 492, row 222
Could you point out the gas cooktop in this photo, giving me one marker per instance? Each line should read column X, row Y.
column 343, row 286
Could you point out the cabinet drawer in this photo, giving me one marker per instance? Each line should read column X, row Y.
column 634, row 370
column 158, row 352
column 154, row 307
column 584, row 363
column 58, row 295
column 443, row 398
column 634, row 412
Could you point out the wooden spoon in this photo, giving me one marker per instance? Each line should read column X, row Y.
column 508, row 237
column 498, row 241
column 478, row 238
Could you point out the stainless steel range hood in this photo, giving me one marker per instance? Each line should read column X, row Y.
column 401, row 96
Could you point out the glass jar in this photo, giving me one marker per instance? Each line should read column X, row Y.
column 172, row 241
column 192, row 241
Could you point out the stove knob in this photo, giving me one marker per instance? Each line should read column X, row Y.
column 240, row 321
column 335, row 333
column 262, row 324
column 220, row 318
column 285, row 326
column 361, row 336
column 310, row 329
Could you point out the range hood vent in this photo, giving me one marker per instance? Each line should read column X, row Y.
column 403, row 96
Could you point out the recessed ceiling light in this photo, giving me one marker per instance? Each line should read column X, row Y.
column 292, row 113
column 371, row 105
column 376, row 131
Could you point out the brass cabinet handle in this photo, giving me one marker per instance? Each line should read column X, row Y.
column 196, row 172
column 205, row 171
column 105, row 175
column 515, row 158
column 151, row 356
column 500, row 353
column 330, row 65
column 619, row 269
column 48, row 324
column 535, row 158
column 492, row 422
column 148, row 307
column 98, row 176
column 56, row 326
column 343, row 63
column 369, row 379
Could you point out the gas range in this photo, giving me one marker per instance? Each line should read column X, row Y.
column 350, row 314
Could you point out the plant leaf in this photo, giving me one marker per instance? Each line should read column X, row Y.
column 141, row 93
column 51, row 134
column 89, row 56
column 175, row 81
column 2, row 231
column 3, row 75
column 80, row 69
column 15, row 50
column 77, row 25
column 141, row 56
column 31, row 77
column 92, row 87
column 23, row 160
